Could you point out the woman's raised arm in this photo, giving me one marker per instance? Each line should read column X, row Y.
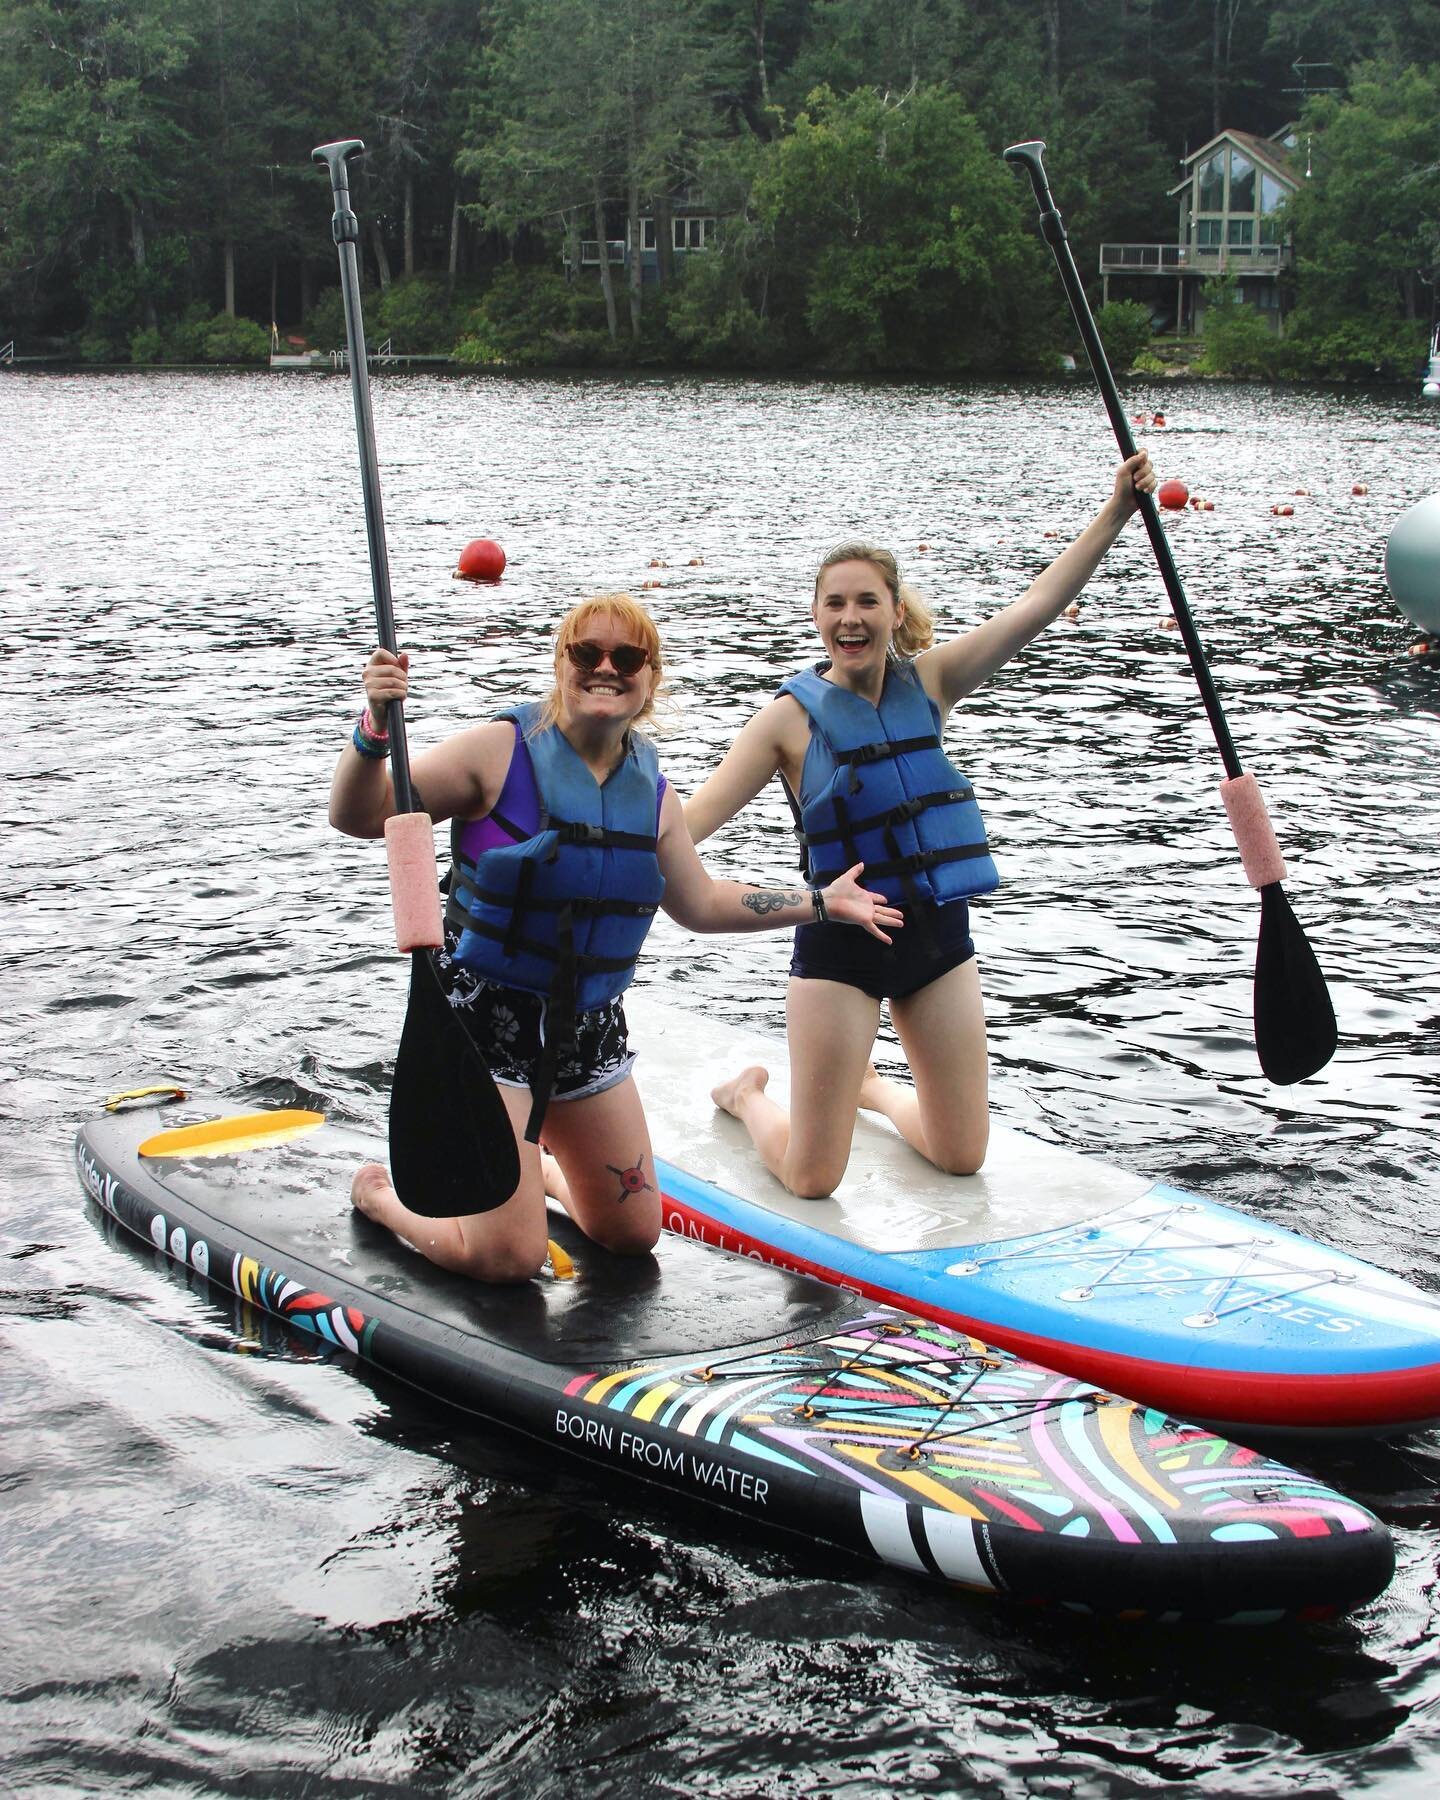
column 752, row 759
column 956, row 668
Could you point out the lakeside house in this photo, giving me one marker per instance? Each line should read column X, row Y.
column 688, row 222
column 1230, row 224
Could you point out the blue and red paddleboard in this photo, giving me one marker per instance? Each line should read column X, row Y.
column 1136, row 1285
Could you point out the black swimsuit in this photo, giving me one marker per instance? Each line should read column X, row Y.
column 933, row 940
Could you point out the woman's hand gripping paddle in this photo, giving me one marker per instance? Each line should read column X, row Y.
column 1294, row 1020
column 452, row 1148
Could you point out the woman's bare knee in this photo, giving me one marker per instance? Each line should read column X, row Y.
column 626, row 1236
column 963, row 1155
column 816, row 1179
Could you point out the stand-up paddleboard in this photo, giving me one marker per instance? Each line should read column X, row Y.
column 780, row 1398
column 1133, row 1284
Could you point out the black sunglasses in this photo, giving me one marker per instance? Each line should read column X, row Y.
column 625, row 659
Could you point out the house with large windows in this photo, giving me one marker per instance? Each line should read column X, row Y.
column 690, row 225
column 1230, row 223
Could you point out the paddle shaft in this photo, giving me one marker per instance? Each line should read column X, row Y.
column 345, row 228
column 1052, row 227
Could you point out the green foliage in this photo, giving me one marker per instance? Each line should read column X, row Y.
column 325, row 322
column 230, row 340
column 1124, row 327
column 1239, row 341
column 151, row 146
column 417, row 314
column 1368, row 225
column 185, row 340
column 1147, row 363
column 897, row 237
column 713, row 323
column 1356, row 349
column 533, row 317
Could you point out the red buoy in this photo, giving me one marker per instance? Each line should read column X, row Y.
column 481, row 560
column 1172, row 495
column 1359, row 488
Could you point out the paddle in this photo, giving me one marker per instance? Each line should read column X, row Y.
column 1294, row 1020
column 452, row 1149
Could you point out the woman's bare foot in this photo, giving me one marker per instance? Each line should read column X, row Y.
column 730, row 1093
column 370, row 1190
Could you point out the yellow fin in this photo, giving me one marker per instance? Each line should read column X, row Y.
column 226, row 1137
column 118, row 1102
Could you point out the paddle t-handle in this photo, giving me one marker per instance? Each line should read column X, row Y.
column 1294, row 1019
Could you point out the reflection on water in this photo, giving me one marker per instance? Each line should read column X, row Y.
column 225, row 1556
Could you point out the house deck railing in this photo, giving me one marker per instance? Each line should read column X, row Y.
column 1191, row 259
column 590, row 251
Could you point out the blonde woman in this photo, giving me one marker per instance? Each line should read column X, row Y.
column 565, row 839
column 857, row 742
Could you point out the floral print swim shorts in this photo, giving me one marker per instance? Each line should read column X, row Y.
column 507, row 1027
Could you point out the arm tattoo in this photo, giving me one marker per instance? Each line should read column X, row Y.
column 768, row 900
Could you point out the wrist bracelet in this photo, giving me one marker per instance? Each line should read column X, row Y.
column 372, row 749
column 372, row 730
column 818, row 901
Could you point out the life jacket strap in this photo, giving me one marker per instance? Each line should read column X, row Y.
column 886, row 748
column 559, row 1025
column 585, row 963
column 583, row 908
column 897, row 815
column 903, row 866
column 600, row 837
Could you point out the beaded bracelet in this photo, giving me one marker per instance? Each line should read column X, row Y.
column 818, row 901
column 372, row 730
column 371, row 748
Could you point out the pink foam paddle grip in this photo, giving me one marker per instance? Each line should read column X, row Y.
column 1259, row 851
column 414, row 896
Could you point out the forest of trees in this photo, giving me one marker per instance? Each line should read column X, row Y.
column 158, row 203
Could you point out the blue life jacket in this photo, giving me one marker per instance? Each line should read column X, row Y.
column 877, row 788
column 563, row 910
column 582, row 888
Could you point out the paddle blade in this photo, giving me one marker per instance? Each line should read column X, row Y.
column 452, row 1148
column 1294, row 1020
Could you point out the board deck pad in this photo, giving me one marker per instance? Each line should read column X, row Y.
column 785, row 1400
column 1135, row 1284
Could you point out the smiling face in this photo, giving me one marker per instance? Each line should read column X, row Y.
column 856, row 616
column 604, row 693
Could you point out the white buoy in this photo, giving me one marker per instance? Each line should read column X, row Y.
column 1412, row 563
column 1431, row 390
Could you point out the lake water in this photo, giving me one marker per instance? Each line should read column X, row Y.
column 234, row 1568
